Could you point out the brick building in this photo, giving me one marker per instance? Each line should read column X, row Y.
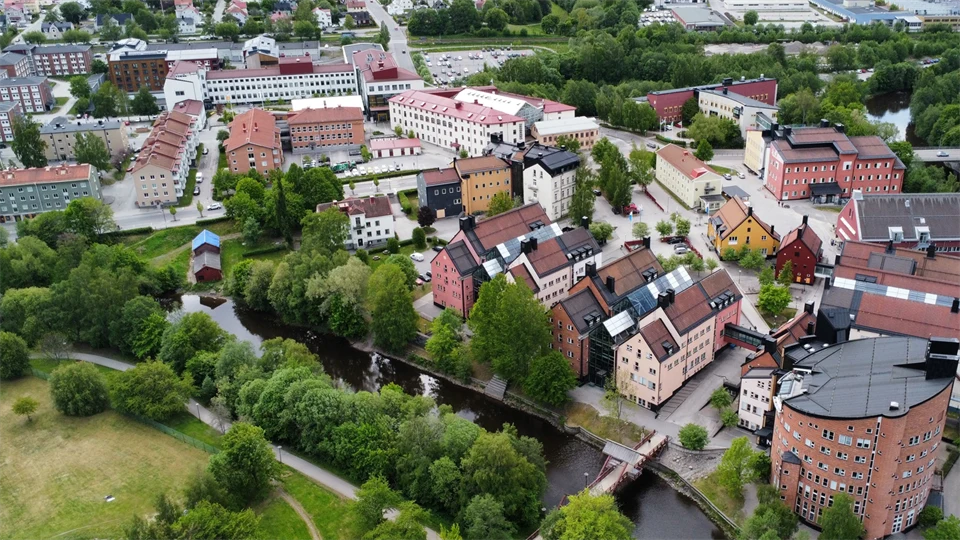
column 803, row 248
column 825, row 165
column 15, row 64
column 8, row 111
column 131, row 70
column 62, row 60
column 34, row 94
column 254, row 143
column 863, row 418
column 911, row 221
column 335, row 126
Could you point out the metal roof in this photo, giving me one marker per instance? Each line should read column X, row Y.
column 206, row 237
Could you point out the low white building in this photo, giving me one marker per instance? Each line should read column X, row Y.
column 453, row 124
column 756, row 396
column 371, row 220
column 762, row 6
column 327, row 102
column 184, row 82
column 399, row 7
column 324, row 17
column 690, row 179
column 549, row 179
column 741, row 109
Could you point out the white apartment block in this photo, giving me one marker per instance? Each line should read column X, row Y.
column 324, row 18
column 399, row 7
column 549, row 177
column 756, row 391
column 371, row 220
column 687, row 177
column 243, row 86
column 732, row 106
column 766, row 5
column 453, row 124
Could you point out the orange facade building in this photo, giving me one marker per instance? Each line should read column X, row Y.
column 313, row 128
column 254, row 143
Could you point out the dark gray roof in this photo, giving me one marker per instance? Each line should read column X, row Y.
column 11, row 58
column 57, row 49
column 743, row 100
column 790, row 457
column 554, row 160
column 14, row 81
column 461, row 257
column 70, row 126
column 759, row 373
column 825, row 188
column 121, row 18
column 206, row 260
column 860, row 379
column 581, row 305
column 940, row 212
column 732, row 191
column 62, row 26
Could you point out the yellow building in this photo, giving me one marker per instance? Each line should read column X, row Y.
column 754, row 150
column 480, row 179
column 734, row 226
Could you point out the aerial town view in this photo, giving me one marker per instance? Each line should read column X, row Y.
column 479, row 269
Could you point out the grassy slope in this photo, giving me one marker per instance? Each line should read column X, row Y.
column 330, row 513
column 166, row 240
column 279, row 521
column 58, row 469
column 231, row 252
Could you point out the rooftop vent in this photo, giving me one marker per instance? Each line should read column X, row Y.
column 894, row 405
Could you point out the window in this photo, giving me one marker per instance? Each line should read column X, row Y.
column 845, row 440
column 828, row 435
column 859, row 459
column 863, row 443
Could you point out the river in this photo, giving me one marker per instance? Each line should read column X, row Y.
column 656, row 508
column 895, row 109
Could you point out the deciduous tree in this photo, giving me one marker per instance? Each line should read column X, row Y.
column 550, row 378
column 245, row 464
column 773, row 299
column 840, row 523
column 25, row 406
column 704, row 151
column 27, row 144
column 426, row 216
column 664, row 228
column 786, row 277
column 150, row 389
column 601, row 231
column 586, row 517
column 499, row 203
column 89, row 217
column 14, row 356
column 144, row 102
column 78, row 389
column 720, row 399
column 735, row 468
column 91, row 149
column 693, row 437
column 483, row 519
column 192, row 334
column 394, row 321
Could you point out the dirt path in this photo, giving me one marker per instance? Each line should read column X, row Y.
column 295, row 504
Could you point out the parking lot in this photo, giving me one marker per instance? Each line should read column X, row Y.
column 447, row 67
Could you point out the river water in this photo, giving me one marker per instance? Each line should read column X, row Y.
column 656, row 508
column 895, row 109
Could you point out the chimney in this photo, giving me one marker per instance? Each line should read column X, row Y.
column 824, row 123
column 671, row 295
column 890, row 247
column 584, row 222
column 646, row 242
column 532, row 242
column 611, row 284
column 769, row 344
column 811, row 326
column 941, row 358
column 525, row 246
column 787, row 130
column 804, row 219
column 840, row 128
column 591, row 268
column 663, row 300
column 955, row 306
column 725, row 90
column 932, row 251
column 466, row 223
column 771, row 230
column 749, row 211
column 808, row 307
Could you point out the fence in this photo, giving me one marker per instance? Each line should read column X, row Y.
column 152, row 423
column 696, row 494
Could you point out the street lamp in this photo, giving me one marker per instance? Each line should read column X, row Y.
column 739, row 276
column 586, row 476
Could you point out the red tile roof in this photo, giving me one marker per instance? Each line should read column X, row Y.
column 256, row 127
column 444, row 106
column 321, row 116
column 520, row 273
column 369, row 206
column 733, row 213
column 480, row 164
column 190, row 107
column 689, row 308
column 386, row 144
column 684, row 161
column 508, row 225
column 655, row 334
column 62, row 173
column 807, row 237
column 182, row 67
column 441, row 176
column 627, row 271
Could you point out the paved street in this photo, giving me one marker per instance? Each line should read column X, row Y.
column 398, row 37
column 218, row 11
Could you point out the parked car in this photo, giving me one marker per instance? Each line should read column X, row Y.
column 429, row 275
column 726, row 176
column 680, row 249
column 676, row 240
column 597, row 192
column 424, row 278
column 199, row 177
column 206, row 150
column 630, row 209
column 417, row 257
column 214, row 206
column 438, row 248
column 651, row 145
column 740, row 175
column 196, row 190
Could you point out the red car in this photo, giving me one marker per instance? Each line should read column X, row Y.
column 631, row 209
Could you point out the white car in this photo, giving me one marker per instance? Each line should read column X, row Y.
column 740, row 175
column 214, row 206
column 362, row 170
column 417, row 257
column 199, row 177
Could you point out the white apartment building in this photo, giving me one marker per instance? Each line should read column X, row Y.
column 453, row 124
column 741, row 109
column 690, row 179
column 243, row 86
column 756, row 396
column 399, row 7
column 160, row 171
column 371, row 220
column 549, row 179
column 766, row 5
column 324, row 18
column 380, row 78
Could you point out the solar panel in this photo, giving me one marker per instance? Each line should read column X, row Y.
column 644, row 299
column 510, row 249
column 892, row 292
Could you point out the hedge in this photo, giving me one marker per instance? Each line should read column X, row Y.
column 407, row 242
column 383, row 176
column 264, row 250
column 209, row 221
column 661, row 138
column 128, row 232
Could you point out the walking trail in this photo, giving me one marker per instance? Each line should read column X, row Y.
column 317, row 474
column 295, row 504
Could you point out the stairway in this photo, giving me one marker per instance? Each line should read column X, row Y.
column 495, row 388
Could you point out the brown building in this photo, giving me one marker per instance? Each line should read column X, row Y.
column 863, row 418
column 131, row 70
column 254, row 143
column 15, row 64
column 803, row 248
column 62, row 60
column 312, row 128
column 481, row 178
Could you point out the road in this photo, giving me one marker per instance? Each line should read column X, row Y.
column 218, row 11
column 318, row 474
column 32, row 27
column 929, row 155
column 398, row 37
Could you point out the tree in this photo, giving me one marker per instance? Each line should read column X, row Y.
column 426, row 216
column 583, row 199
column 72, row 12
column 150, row 389
column 79, row 87
column 704, row 151
column 144, row 103
column 689, row 110
column 99, row 66
column 729, row 417
column 211, row 520
column 773, row 299
column 945, row 530
column 499, row 203
column 77, row 36
column 929, row 516
column 173, row 212
column 373, row 498
column 641, row 230
column 222, row 135
column 35, row 37
column 771, row 518
column 711, row 264
column 78, row 389
column 550, row 378
column 25, row 406
column 282, row 219
column 419, row 238
column 139, row 328
column 91, row 149
column 192, row 334
column 586, row 517
column 664, row 228
column 641, row 166
column 568, row 143
column 750, row 18
column 14, row 356
column 483, row 519
column 245, row 464
column 89, row 217
column 405, row 526
column 693, row 437
column 27, row 145
column 720, row 399
column 349, row 23
column 786, row 277
column 766, row 276
column 394, row 321
column 55, row 346
column 227, row 30
column 751, row 259
column 840, row 523
column 683, row 227
column 108, row 101
column 601, row 231
column 734, row 469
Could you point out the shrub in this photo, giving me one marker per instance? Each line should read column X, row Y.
column 419, row 238
column 693, row 437
column 14, row 356
column 78, row 389
column 929, row 516
column 151, row 389
column 393, row 245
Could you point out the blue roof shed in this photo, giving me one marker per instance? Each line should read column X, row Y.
column 206, row 237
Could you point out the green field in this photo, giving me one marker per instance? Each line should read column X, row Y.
column 231, row 252
column 279, row 521
column 164, row 241
column 330, row 513
column 58, row 469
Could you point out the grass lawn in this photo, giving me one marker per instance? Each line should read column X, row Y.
column 722, row 170
column 532, row 29
column 231, row 252
column 404, row 250
column 730, row 506
column 188, row 424
column 279, row 521
column 585, row 416
column 187, row 199
column 61, row 101
column 47, row 365
column 164, row 241
column 330, row 513
column 830, row 208
column 221, row 161
column 58, row 469
column 776, row 321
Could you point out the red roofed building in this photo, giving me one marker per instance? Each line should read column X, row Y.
column 312, row 128
column 669, row 103
column 381, row 148
column 803, row 248
column 380, row 78
column 371, row 220
column 824, row 165
column 24, row 193
column 160, row 171
column 254, row 143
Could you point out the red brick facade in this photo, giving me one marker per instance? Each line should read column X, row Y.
column 566, row 339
